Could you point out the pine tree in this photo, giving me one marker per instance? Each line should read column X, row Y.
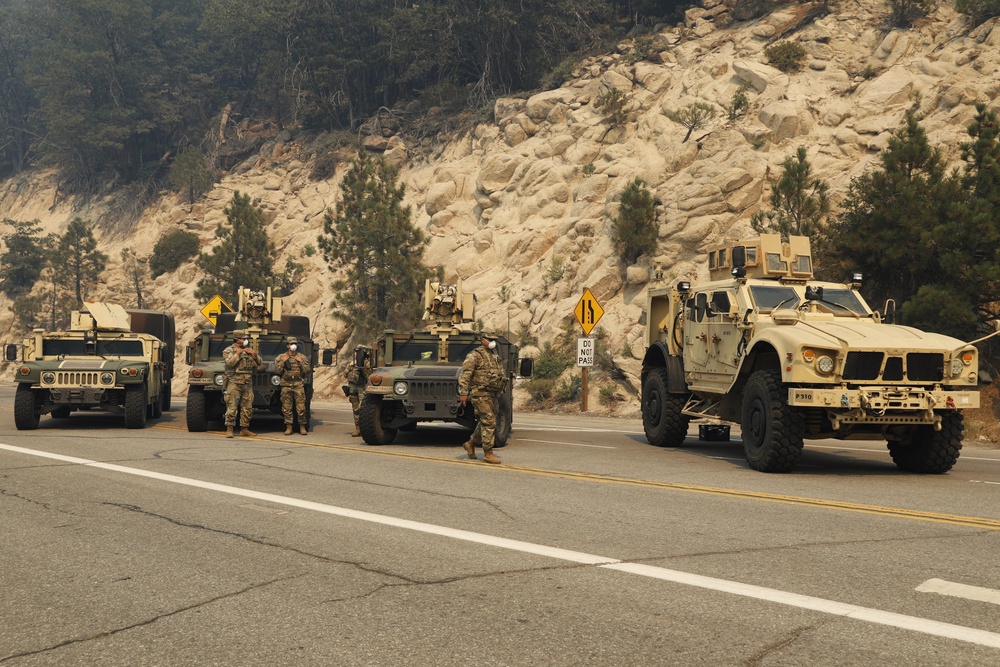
column 244, row 256
column 190, row 173
column 371, row 240
column 634, row 230
column 76, row 261
column 799, row 202
column 24, row 258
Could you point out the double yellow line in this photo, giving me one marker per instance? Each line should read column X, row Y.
column 892, row 512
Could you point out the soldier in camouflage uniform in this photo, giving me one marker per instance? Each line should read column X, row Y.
column 241, row 363
column 357, row 378
column 293, row 367
column 483, row 379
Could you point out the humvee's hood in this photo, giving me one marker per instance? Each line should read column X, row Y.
column 867, row 336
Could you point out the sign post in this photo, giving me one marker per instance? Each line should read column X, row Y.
column 588, row 312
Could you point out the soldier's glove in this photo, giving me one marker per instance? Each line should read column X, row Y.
column 347, row 390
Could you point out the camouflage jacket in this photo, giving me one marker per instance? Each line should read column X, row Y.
column 241, row 367
column 293, row 367
column 482, row 373
column 357, row 378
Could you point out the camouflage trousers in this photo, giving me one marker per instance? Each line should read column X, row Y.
column 239, row 398
column 293, row 397
column 355, row 400
column 486, row 406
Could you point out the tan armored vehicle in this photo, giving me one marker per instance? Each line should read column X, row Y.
column 110, row 359
column 788, row 358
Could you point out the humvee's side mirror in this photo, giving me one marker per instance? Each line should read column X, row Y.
column 889, row 312
column 328, row 354
column 10, row 352
column 189, row 355
column 526, row 367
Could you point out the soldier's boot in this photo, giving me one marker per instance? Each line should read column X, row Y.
column 470, row 449
column 247, row 433
column 357, row 432
column 288, row 429
column 302, row 429
column 229, row 431
column 490, row 456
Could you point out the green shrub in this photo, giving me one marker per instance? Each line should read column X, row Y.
column 978, row 10
column 570, row 391
column 608, row 394
column 786, row 56
column 589, row 169
column 540, row 389
column 551, row 362
column 524, row 337
column 173, row 249
column 740, row 103
column 613, row 106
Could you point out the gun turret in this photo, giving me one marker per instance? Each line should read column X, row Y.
column 258, row 308
column 448, row 304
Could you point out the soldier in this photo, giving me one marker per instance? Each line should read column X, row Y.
column 483, row 379
column 293, row 367
column 357, row 378
column 241, row 363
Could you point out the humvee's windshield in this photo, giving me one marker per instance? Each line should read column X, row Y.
column 459, row 350
column 769, row 297
column 415, row 351
column 105, row 348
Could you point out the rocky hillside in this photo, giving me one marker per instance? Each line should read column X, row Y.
column 519, row 208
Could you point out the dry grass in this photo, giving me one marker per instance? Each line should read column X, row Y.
column 982, row 425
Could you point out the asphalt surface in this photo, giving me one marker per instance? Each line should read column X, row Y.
column 587, row 547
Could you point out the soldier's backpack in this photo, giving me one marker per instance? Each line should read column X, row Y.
column 495, row 379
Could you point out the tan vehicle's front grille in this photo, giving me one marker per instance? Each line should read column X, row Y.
column 77, row 378
column 919, row 367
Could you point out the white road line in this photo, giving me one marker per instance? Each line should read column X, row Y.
column 571, row 444
column 959, row 590
column 877, row 616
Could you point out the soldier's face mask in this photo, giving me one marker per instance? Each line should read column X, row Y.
column 492, row 345
column 293, row 347
column 246, row 342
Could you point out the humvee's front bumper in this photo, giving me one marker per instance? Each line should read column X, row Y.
column 883, row 405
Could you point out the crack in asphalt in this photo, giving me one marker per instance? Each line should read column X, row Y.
column 383, row 486
column 262, row 542
column 757, row 657
column 11, row 494
column 148, row 621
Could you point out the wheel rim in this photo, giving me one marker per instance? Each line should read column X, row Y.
column 756, row 425
column 654, row 408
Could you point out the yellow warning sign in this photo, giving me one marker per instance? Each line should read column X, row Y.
column 214, row 307
column 588, row 312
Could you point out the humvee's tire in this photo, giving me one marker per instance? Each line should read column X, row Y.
column 504, row 420
column 772, row 431
column 165, row 397
column 61, row 413
column 370, row 422
column 929, row 451
column 197, row 421
column 662, row 420
column 25, row 408
column 135, row 406
column 153, row 410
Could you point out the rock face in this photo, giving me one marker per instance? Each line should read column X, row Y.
column 521, row 208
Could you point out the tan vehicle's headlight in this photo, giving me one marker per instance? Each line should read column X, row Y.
column 957, row 366
column 275, row 380
column 824, row 364
column 399, row 388
column 219, row 379
column 48, row 377
column 107, row 378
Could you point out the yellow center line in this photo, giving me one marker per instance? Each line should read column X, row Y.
column 894, row 512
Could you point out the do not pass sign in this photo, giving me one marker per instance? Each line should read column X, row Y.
column 584, row 351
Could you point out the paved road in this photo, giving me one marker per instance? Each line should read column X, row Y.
column 588, row 547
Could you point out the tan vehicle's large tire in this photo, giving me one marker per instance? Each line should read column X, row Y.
column 197, row 419
column 165, row 397
column 370, row 422
column 135, row 406
column 662, row 420
column 25, row 408
column 772, row 431
column 929, row 451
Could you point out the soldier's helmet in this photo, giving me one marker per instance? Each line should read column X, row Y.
column 239, row 333
column 488, row 334
column 292, row 339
